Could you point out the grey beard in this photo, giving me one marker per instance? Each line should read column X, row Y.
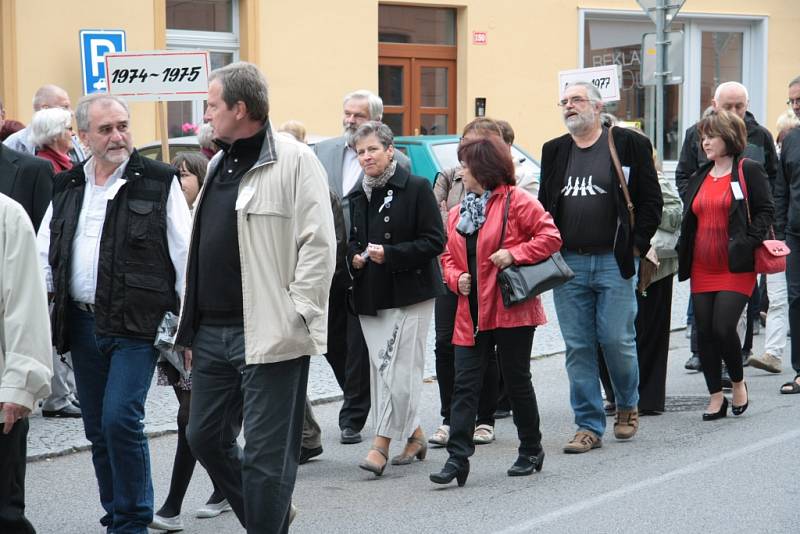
column 349, row 137
column 579, row 124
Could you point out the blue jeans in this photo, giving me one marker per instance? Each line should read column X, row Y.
column 598, row 307
column 113, row 376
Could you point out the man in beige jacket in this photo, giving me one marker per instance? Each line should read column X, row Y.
column 25, row 360
column 260, row 265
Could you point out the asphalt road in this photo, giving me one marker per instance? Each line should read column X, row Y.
column 678, row 474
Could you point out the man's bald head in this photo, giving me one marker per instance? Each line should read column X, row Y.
column 51, row 96
column 733, row 97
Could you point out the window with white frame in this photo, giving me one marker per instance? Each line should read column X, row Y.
column 211, row 25
column 717, row 48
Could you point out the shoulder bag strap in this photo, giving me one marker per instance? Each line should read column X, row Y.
column 505, row 220
column 620, row 175
column 743, row 185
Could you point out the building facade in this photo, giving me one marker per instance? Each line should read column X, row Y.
column 436, row 63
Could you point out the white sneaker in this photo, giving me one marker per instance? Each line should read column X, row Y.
column 483, row 434
column 170, row 524
column 441, row 436
column 213, row 509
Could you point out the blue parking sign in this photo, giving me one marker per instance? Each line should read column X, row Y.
column 95, row 44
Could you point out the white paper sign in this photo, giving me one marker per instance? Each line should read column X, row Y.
column 605, row 78
column 158, row 75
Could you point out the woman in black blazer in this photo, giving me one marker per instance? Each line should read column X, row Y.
column 717, row 247
column 395, row 237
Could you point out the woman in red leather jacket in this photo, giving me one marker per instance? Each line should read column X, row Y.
column 471, row 261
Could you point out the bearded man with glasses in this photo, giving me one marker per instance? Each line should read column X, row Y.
column 581, row 189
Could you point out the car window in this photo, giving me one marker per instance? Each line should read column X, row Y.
column 527, row 163
column 446, row 155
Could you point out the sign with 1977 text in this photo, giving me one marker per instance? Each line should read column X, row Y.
column 158, row 75
column 605, row 78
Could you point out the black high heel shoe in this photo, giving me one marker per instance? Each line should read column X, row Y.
column 739, row 410
column 723, row 412
column 452, row 469
column 526, row 465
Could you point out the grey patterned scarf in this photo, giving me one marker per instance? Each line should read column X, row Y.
column 472, row 212
column 376, row 182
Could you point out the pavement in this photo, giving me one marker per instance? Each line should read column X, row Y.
column 678, row 475
column 49, row 437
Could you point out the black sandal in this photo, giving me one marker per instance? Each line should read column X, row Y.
column 791, row 388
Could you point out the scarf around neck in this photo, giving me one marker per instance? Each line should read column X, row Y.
column 376, row 182
column 472, row 212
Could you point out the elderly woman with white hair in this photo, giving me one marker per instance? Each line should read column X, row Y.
column 51, row 134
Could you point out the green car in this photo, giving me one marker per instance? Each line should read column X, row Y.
column 430, row 154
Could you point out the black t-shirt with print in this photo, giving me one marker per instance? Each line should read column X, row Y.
column 587, row 215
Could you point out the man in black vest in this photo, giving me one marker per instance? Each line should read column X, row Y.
column 116, row 237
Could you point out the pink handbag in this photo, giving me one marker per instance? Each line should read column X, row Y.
column 770, row 257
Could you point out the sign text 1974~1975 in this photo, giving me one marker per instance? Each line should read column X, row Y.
column 174, row 74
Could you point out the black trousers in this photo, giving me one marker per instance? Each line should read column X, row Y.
column 514, row 351
column 715, row 317
column 652, row 346
column 355, row 407
column 444, row 313
column 258, row 481
column 13, row 457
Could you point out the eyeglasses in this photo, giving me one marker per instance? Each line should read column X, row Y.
column 575, row 100
column 793, row 102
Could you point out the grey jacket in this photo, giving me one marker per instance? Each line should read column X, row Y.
column 25, row 355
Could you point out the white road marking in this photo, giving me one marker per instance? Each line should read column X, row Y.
column 529, row 526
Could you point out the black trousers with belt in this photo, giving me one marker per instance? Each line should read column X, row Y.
column 514, row 356
column 13, row 452
column 652, row 346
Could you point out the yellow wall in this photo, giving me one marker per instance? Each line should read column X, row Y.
column 330, row 49
column 315, row 51
column 48, row 49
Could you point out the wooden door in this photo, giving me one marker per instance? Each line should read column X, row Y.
column 418, row 86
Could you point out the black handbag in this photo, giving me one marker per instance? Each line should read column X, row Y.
column 518, row 283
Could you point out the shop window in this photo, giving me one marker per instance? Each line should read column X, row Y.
column 211, row 25
column 720, row 61
column 200, row 15
column 416, row 25
column 607, row 42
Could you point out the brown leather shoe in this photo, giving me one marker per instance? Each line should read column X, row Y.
column 626, row 423
column 766, row 362
column 584, row 441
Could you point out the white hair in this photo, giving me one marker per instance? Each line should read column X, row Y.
column 48, row 124
column 374, row 102
column 728, row 85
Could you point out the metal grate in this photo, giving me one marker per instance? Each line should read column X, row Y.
column 687, row 403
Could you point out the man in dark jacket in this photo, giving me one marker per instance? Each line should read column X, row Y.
column 733, row 97
column 582, row 190
column 787, row 226
column 115, row 238
column 26, row 179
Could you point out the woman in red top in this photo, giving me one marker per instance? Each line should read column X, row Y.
column 716, row 250
column 51, row 134
column 471, row 262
